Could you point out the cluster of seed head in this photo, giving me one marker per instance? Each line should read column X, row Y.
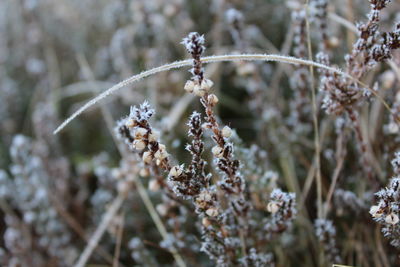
column 145, row 137
column 282, row 207
column 326, row 233
column 338, row 93
column 386, row 212
column 370, row 48
column 389, row 42
column 379, row 4
column 233, row 182
column 29, row 191
column 194, row 44
column 200, row 88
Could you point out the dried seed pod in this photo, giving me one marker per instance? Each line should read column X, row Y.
column 206, row 84
column 199, row 91
column 176, row 171
column 212, row 212
column 212, row 99
column 273, row 207
column 139, row 145
column 153, row 137
column 189, row 86
column 140, row 132
column 226, row 132
column 217, row 151
column 392, row 219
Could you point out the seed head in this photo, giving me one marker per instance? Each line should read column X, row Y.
column 212, row 99
column 176, row 171
column 206, row 84
column 375, row 211
column 206, row 222
column 161, row 152
column 226, row 132
column 189, row 86
column 212, row 212
column 392, row 219
column 153, row 137
column 140, row 132
column 273, row 207
column 204, row 196
column 199, row 91
column 139, row 145
column 217, row 151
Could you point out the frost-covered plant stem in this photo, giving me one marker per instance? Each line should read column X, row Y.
column 188, row 62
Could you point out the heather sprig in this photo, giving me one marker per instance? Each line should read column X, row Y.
column 326, row 234
column 239, row 163
column 282, row 207
column 386, row 211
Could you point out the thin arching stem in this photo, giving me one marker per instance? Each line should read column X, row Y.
column 188, row 62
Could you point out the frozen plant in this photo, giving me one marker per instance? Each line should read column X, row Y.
column 386, row 211
column 326, row 234
column 282, row 207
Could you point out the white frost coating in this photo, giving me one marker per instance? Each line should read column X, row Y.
column 188, row 62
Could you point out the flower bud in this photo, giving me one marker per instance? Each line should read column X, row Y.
column 272, row 207
column 217, row 151
column 130, row 123
column 161, row 152
column 153, row 137
column 212, row 212
column 206, row 222
column 206, row 126
column 140, row 132
column 212, row 99
column 199, row 91
column 374, row 211
column 204, row 196
column 226, row 132
column 392, row 219
column 139, row 145
column 206, row 84
column 333, row 42
column 189, row 86
column 393, row 128
column 176, row 171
